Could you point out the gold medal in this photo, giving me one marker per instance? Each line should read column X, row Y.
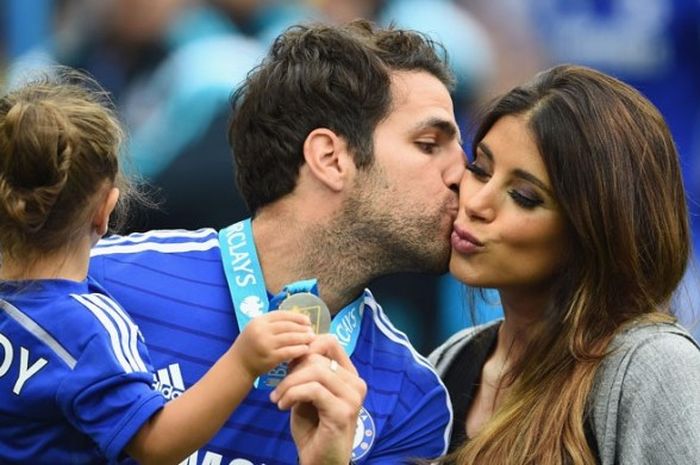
column 312, row 306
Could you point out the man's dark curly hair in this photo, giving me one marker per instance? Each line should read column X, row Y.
column 320, row 76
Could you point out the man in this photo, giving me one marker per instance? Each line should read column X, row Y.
column 348, row 155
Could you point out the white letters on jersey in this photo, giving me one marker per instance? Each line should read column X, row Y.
column 168, row 381
column 25, row 370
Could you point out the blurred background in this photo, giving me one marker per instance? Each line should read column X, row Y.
column 172, row 64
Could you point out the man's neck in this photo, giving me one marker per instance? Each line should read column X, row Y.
column 291, row 249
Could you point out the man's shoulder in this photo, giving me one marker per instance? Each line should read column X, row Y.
column 160, row 268
column 407, row 400
column 160, row 241
column 391, row 349
column 165, row 253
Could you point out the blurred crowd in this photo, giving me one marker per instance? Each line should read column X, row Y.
column 171, row 66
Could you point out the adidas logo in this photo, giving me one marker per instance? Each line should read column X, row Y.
column 168, row 381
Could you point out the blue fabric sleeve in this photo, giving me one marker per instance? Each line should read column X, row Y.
column 104, row 401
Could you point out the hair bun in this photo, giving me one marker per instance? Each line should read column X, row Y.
column 36, row 147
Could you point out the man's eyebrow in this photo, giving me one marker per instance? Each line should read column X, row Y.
column 522, row 174
column 447, row 127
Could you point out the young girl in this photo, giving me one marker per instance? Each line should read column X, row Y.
column 573, row 208
column 75, row 376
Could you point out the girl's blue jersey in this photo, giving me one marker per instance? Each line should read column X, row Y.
column 75, row 377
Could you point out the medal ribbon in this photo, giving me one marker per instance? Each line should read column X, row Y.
column 250, row 297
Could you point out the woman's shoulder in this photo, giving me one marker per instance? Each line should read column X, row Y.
column 648, row 350
column 651, row 372
column 643, row 341
column 441, row 358
column 645, row 330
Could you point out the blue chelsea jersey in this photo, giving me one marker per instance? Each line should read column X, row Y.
column 75, row 377
column 173, row 285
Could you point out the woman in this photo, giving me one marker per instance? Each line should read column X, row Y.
column 573, row 209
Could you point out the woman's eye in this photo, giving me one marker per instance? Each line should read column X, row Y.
column 478, row 171
column 524, row 200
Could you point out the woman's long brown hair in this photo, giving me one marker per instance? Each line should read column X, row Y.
column 616, row 176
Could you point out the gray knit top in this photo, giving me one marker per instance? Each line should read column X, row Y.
column 644, row 406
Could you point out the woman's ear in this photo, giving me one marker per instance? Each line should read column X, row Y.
column 100, row 221
column 328, row 158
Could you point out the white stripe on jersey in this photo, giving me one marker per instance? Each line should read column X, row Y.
column 120, row 315
column 164, row 377
column 33, row 327
column 171, row 376
column 122, row 329
column 115, row 335
column 156, row 247
column 157, row 234
column 385, row 326
column 396, row 335
column 176, row 376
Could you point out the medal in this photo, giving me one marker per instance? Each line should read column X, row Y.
column 312, row 306
column 250, row 297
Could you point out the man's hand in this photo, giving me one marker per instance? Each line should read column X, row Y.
column 325, row 394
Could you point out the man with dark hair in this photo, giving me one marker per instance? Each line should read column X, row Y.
column 348, row 155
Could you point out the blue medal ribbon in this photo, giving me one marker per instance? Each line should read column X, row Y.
column 251, row 299
column 345, row 325
column 243, row 272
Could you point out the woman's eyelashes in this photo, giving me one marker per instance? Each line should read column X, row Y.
column 477, row 171
column 527, row 200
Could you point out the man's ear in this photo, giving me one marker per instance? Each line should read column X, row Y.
column 105, row 207
column 327, row 157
